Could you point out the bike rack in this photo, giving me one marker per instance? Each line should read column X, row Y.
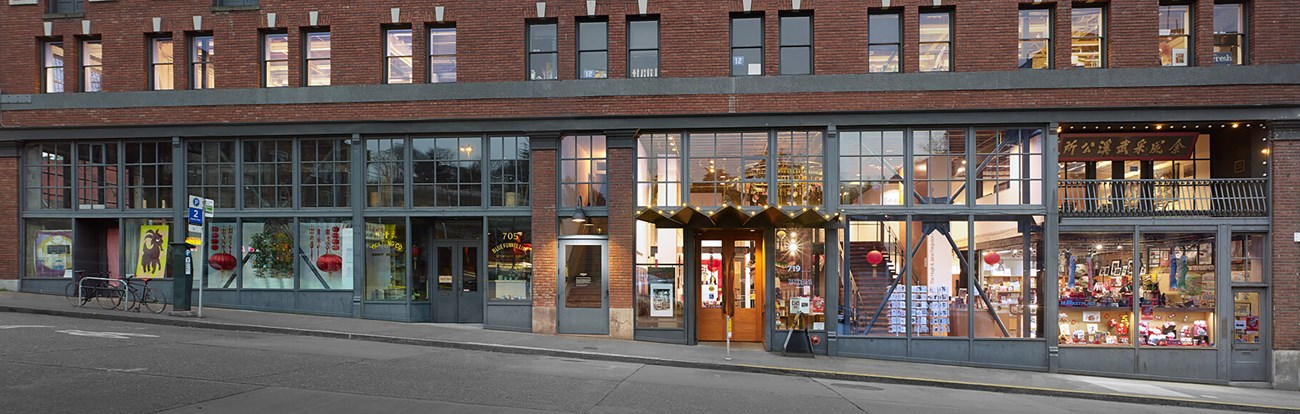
column 126, row 296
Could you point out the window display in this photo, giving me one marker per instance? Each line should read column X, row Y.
column 660, row 269
column 875, row 261
column 1009, row 277
column 268, row 250
column 386, row 259
column 510, row 259
column 324, row 249
column 1178, row 288
column 49, row 243
column 800, row 263
column 1096, row 281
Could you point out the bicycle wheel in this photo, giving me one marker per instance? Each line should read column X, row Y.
column 75, row 298
column 154, row 300
column 109, row 298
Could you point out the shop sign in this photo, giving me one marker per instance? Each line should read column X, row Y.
column 1127, row 146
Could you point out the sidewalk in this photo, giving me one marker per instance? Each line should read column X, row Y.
column 746, row 358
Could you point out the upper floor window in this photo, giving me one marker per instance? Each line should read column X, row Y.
column 317, row 59
column 583, row 171
column 53, row 67
column 936, row 41
column 1088, row 37
column 442, row 54
column 593, row 50
column 48, row 176
column 275, row 60
column 447, row 172
column 397, row 48
column 235, row 3
column 746, row 46
column 65, row 6
column 1175, row 35
column 92, row 65
column 161, row 73
column 202, row 73
column 543, row 52
column 659, row 170
column 796, row 45
column 1229, row 34
column 884, row 37
column 643, row 48
column 1035, row 39
column 509, row 171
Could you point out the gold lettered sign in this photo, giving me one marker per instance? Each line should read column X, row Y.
column 1133, row 146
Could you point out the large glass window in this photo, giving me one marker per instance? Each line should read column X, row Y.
column 275, row 60
column 1009, row 166
column 643, row 48
column 49, row 242
column 796, row 45
column 799, row 168
column 269, row 256
column 447, row 172
column 146, row 248
column 876, row 303
column 211, row 171
column 1177, row 290
column 386, row 172
column 324, row 172
column 1006, row 301
column 593, row 50
column 935, row 291
column 660, row 274
column 148, row 174
column 800, row 262
column 1088, row 37
column 92, row 65
column 510, row 259
column 324, row 254
column 1035, row 39
column 659, row 170
column 939, row 162
column 583, row 171
column 223, row 252
column 98, row 176
column 397, row 52
column 1230, row 34
column 268, row 174
column 386, row 253
column 442, row 54
column 871, row 167
column 746, row 46
column 317, row 59
column 202, row 73
column 52, row 75
column 1096, row 280
column 543, row 52
column 1175, row 35
column 161, row 73
column 936, row 41
column 884, row 40
column 728, row 168
column 510, row 171
column 1248, row 258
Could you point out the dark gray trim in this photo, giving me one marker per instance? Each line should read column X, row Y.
column 1285, row 131
column 901, row 82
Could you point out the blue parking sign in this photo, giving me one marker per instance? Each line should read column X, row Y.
column 196, row 211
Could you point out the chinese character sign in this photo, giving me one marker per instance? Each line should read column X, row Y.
column 1133, row 146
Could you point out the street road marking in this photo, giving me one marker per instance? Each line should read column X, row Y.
column 23, row 326
column 125, row 370
column 109, row 335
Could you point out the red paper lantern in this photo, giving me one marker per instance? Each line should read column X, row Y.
column 874, row 257
column 415, row 250
column 329, row 263
column 992, row 258
column 815, row 340
column 222, row 262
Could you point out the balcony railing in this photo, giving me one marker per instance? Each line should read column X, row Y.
column 1218, row 197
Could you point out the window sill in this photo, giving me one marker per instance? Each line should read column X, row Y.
column 218, row 9
column 56, row 16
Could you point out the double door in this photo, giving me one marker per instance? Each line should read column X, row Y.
column 731, row 281
column 457, row 297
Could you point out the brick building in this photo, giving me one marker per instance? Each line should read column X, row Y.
column 1079, row 187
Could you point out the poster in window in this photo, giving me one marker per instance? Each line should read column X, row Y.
column 53, row 253
column 152, row 251
column 661, row 299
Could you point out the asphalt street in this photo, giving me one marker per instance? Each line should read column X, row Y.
column 51, row 364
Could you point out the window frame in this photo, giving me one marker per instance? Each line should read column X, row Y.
column 236, row 3
column 307, row 60
column 432, row 56
column 389, row 56
column 529, row 53
column 630, row 50
column 267, row 61
column 781, row 46
column 897, row 15
column 1100, row 38
column 206, row 63
column 579, row 51
column 58, row 77
column 522, row 166
column 762, row 44
column 1189, row 30
column 1242, row 33
column 593, row 163
column 949, row 42
column 73, row 6
column 155, row 65
column 86, row 66
column 1021, row 30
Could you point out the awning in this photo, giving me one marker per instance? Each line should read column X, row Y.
column 658, row 218
column 731, row 216
column 768, row 217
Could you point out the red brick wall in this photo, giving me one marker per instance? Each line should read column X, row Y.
column 545, row 228
column 1286, row 252
column 622, row 229
column 9, row 218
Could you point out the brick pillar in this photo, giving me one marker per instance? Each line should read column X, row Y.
column 545, row 230
column 9, row 212
column 622, row 232
column 1285, row 157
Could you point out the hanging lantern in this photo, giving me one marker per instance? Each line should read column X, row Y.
column 874, row 257
column 222, row 262
column 992, row 258
column 415, row 251
column 329, row 263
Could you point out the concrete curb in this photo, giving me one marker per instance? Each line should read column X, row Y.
column 595, row 356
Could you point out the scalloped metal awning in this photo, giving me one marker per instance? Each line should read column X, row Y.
column 730, row 216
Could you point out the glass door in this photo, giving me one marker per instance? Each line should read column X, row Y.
column 731, row 283
column 583, row 293
column 458, row 297
column 1249, row 355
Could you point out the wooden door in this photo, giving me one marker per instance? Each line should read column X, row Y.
column 732, row 282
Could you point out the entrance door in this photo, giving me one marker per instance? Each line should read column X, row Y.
column 457, row 297
column 731, row 281
column 583, row 293
column 1249, row 351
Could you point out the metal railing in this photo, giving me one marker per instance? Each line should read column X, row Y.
column 1214, row 197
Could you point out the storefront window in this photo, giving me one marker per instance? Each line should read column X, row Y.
column 660, row 274
column 659, row 170
column 510, row 171
column 1177, row 290
column 49, row 242
column 583, row 172
column 939, row 162
column 221, row 253
column 268, row 250
column 146, row 248
column 876, row 260
column 729, row 168
column 937, row 296
column 871, row 167
column 210, row 171
column 385, row 172
column 510, row 259
column 148, row 174
column 325, row 168
column 49, row 176
column 268, row 174
column 325, row 254
column 1010, row 279
column 800, row 264
column 1009, row 167
column 1175, row 35
column 97, row 176
column 447, row 172
column 386, row 252
column 1248, row 258
column 1096, row 280
column 799, row 168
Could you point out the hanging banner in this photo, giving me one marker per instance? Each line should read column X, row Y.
column 152, row 261
column 1144, row 146
column 53, row 253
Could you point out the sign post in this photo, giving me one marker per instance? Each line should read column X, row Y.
column 182, row 279
column 209, row 211
column 728, row 338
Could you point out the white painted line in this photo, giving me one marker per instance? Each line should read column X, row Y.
column 108, row 335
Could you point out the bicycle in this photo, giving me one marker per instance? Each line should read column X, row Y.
column 79, row 291
column 147, row 296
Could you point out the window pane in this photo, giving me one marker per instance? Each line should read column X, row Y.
column 277, row 74
column 1010, row 281
column 643, row 64
column 323, row 242
column 399, row 42
column 277, row 47
column 1033, row 54
column 399, row 70
column 1086, row 22
column 1174, row 20
column 1227, row 18
column 443, row 69
column 442, row 41
column 883, row 58
column 796, row 60
column 318, row 45
column 50, row 247
column 1035, row 24
column 800, row 280
column 1174, row 51
column 796, row 30
column 593, row 65
column 660, row 273
column 883, row 28
column 747, row 32
column 318, row 73
column 934, row 27
column 510, row 259
column 592, row 36
column 541, row 38
column 746, row 62
column 386, row 259
column 643, row 34
column 1178, row 285
column 542, row 66
column 935, row 57
column 268, row 254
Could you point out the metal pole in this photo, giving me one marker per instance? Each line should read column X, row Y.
column 728, row 338
column 203, row 276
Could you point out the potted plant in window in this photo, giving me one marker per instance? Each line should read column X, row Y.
column 272, row 252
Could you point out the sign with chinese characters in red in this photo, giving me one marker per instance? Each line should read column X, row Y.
column 1131, row 146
